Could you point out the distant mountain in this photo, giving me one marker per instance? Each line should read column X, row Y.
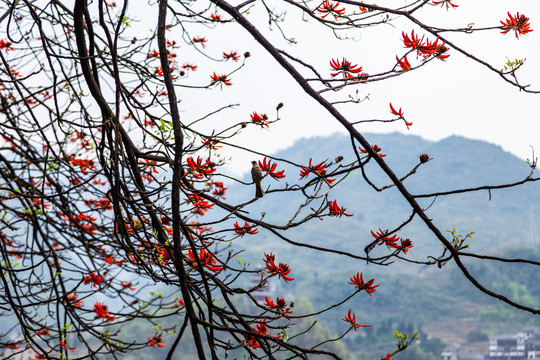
column 498, row 218
column 504, row 221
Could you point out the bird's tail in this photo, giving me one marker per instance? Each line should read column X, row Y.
column 259, row 193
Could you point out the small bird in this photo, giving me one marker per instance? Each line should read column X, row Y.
column 257, row 175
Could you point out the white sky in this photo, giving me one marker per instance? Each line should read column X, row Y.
column 456, row 96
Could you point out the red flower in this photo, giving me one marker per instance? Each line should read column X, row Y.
column 424, row 158
column 127, row 284
column 375, row 148
column 221, row 79
column 73, row 299
column 389, row 241
column 153, row 54
column 387, row 356
column 358, row 280
column 156, row 340
column 233, row 55
column 163, row 255
column 198, row 39
column 211, row 143
column 271, row 169
column 412, row 42
column 216, row 17
column 448, row 3
column 344, row 67
column 200, row 205
column 84, row 165
column 397, row 113
column 406, row 245
column 94, row 278
column 11, row 345
column 424, row 48
column 246, row 229
column 189, row 67
column 219, row 190
column 260, row 328
column 200, row 169
column 329, row 7
column 112, row 260
column 64, row 345
column 102, row 312
column 281, row 306
column 282, row 270
column 207, row 260
column 519, row 23
column 261, row 120
column 404, row 63
column 43, row 332
column 5, row 45
column 335, row 210
column 436, row 49
column 318, row 169
column 351, row 318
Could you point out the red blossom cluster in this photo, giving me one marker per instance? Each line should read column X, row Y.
column 102, row 312
column 127, row 285
column 189, row 67
column 404, row 63
column 156, row 340
column 267, row 166
column 281, row 306
column 101, row 204
column 84, row 165
column 400, row 114
column 200, row 40
column 220, row 79
column 261, row 329
column 328, row 7
column 233, row 55
column 351, row 318
column 164, row 255
column 215, row 17
column 74, row 300
column 5, row 45
column 375, row 148
column 219, row 189
column 200, row 204
column 519, row 23
column 358, row 280
column 149, row 168
column 391, row 241
column 336, row 210
column 447, row 3
column 64, row 345
column 318, row 169
column 112, row 260
column 425, row 48
column 281, row 271
column 86, row 222
column 200, row 169
column 207, row 260
column 346, row 68
column 93, row 278
column 211, row 143
column 246, row 229
column 260, row 119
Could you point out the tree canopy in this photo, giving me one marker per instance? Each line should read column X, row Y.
column 117, row 119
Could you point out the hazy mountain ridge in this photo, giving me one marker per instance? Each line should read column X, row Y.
column 419, row 295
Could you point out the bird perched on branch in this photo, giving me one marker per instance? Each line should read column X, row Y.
column 257, row 175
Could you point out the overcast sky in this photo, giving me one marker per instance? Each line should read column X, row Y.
column 454, row 97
